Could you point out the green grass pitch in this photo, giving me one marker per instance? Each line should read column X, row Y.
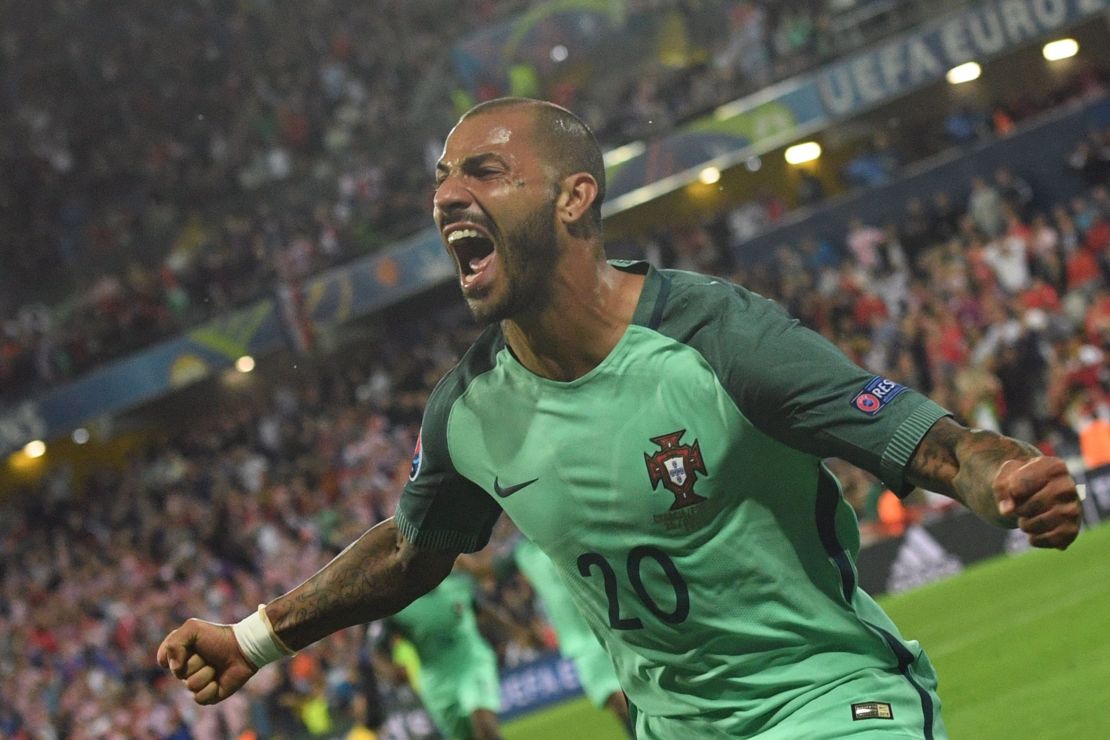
column 573, row 720
column 1022, row 646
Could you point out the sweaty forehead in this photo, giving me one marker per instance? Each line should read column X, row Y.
column 504, row 132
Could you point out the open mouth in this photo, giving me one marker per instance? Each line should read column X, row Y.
column 472, row 249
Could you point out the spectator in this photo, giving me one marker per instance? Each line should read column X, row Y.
column 915, row 231
column 944, row 218
column 984, row 206
column 1090, row 158
column 964, row 126
column 1014, row 190
column 863, row 244
column 874, row 166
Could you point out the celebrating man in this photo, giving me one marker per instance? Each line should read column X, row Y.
column 659, row 435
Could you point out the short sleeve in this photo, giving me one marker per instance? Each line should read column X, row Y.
column 439, row 508
column 797, row 387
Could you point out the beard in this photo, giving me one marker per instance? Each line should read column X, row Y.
column 527, row 259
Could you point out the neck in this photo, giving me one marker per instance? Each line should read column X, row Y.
column 591, row 306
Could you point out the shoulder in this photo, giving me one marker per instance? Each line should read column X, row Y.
column 480, row 358
column 715, row 290
column 697, row 302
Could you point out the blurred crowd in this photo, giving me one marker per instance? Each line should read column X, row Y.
column 229, row 511
column 994, row 302
column 164, row 165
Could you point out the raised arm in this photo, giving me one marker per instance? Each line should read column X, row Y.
column 376, row 576
column 1006, row 482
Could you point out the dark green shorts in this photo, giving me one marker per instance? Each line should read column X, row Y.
column 451, row 698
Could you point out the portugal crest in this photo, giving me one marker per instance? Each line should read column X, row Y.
column 676, row 466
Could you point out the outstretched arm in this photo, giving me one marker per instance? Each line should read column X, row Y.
column 1005, row 481
column 376, row 576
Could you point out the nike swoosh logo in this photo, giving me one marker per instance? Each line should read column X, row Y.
column 506, row 491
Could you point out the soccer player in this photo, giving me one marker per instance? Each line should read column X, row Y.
column 576, row 641
column 659, row 435
column 458, row 669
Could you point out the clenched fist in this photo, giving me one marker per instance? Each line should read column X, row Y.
column 1042, row 495
column 206, row 656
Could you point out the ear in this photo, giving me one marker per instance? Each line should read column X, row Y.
column 577, row 193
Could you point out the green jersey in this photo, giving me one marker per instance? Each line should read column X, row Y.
column 458, row 669
column 678, row 487
column 441, row 624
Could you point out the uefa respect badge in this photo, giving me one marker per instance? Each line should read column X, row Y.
column 877, row 394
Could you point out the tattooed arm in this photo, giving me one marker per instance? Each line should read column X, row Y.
column 379, row 574
column 376, row 576
column 1005, row 481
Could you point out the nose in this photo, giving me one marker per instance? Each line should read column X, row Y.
column 451, row 194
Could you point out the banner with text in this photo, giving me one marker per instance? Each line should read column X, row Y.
column 535, row 685
column 933, row 551
column 1096, row 507
column 909, row 61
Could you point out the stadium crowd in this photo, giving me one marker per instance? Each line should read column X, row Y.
column 164, row 166
column 997, row 305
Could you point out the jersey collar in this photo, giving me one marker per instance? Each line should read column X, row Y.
column 654, row 294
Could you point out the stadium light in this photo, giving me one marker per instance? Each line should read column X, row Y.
column 34, row 448
column 807, row 151
column 80, row 435
column 559, row 53
column 244, row 364
column 1059, row 49
column 709, row 175
column 965, row 72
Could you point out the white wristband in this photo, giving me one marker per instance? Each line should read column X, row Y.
column 257, row 639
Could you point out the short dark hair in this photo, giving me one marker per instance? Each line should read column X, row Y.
column 566, row 140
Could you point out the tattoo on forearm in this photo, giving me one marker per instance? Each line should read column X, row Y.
column 367, row 581
column 934, row 463
column 962, row 463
